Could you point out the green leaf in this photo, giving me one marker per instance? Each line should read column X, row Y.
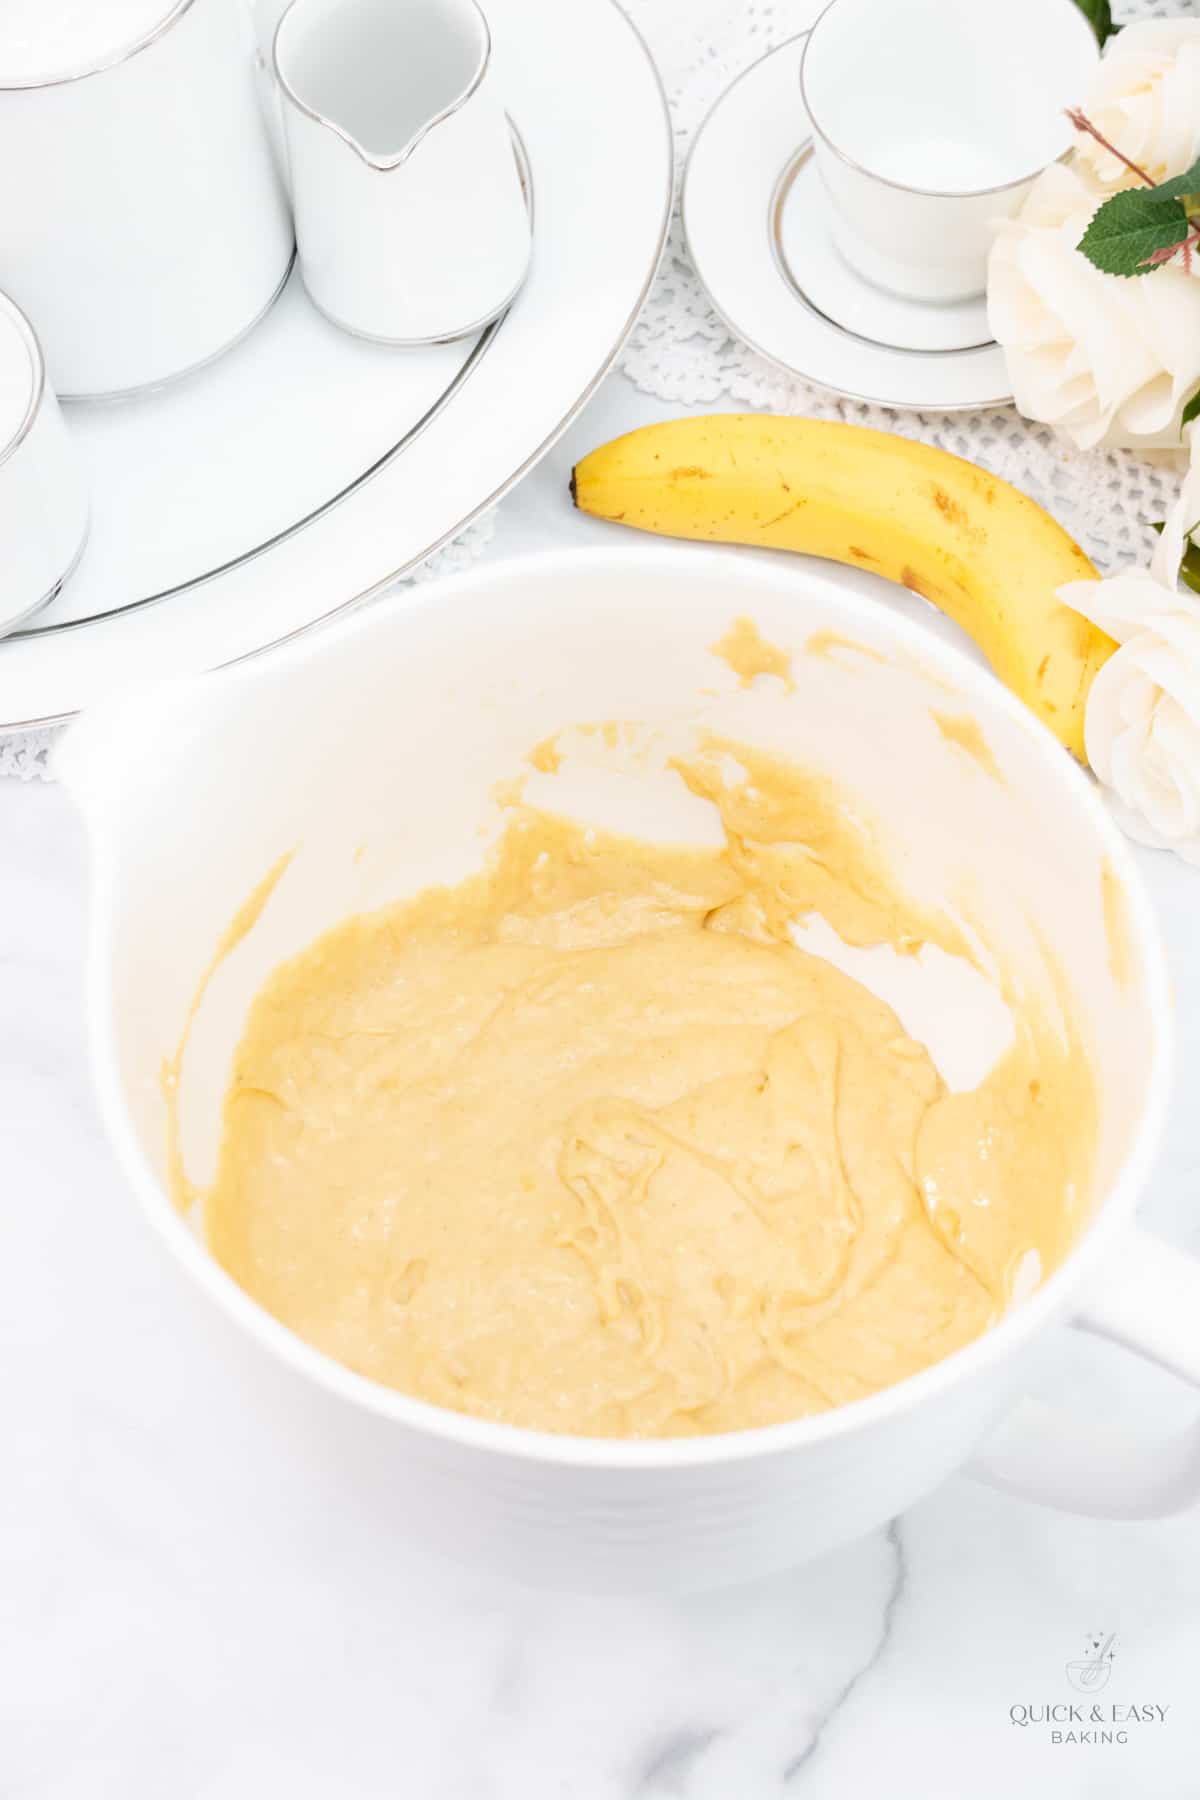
column 1179, row 186
column 1098, row 14
column 1126, row 231
column 1189, row 568
column 1191, row 410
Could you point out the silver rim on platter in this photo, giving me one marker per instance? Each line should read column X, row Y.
column 446, row 536
column 465, row 369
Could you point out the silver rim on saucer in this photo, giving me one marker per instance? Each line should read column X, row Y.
column 779, row 194
column 975, row 403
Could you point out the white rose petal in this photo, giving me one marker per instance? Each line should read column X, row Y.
column 1145, row 747
column 1142, row 724
column 1182, row 520
column 1145, row 98
column 1124, row 606
column 1108, row 360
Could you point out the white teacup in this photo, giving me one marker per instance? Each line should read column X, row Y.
column 410, row 219
column 931, row 120
column 43, row 499
column 432, row 701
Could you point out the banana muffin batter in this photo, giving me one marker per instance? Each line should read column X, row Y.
column 587, row 1144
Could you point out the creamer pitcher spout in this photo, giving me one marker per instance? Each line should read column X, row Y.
column 412, row 221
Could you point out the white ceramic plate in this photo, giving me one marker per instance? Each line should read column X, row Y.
column 755, row 223
column 306, row 469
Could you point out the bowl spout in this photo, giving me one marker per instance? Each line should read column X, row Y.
column 103, row 750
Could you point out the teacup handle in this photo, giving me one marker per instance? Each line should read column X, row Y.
column 1148, row 1300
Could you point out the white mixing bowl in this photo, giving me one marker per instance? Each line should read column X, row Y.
column 370, row 749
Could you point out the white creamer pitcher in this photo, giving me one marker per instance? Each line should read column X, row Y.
column 143, row 223
column 410, row 217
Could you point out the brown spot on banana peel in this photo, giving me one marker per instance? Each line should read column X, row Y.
column 957, row 515
column 692, row 472
column 785, row 514
column 918, row 584
column 863, row 556
column 951, row 510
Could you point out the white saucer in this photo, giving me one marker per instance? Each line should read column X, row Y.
column 757, row 229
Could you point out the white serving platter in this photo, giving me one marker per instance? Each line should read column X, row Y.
column 306, row 469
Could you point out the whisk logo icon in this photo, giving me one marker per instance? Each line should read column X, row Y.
column 1090, row 1672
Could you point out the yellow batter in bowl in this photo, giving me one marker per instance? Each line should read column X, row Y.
column 586, row 1143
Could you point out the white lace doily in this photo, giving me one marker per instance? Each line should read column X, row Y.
column 681, row 352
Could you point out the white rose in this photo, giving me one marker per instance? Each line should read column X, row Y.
column 1142, row 724
column 1106, row 359
column 1145, row 99
column 1182, row 520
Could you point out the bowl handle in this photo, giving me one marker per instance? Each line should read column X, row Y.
column 1148, row 1300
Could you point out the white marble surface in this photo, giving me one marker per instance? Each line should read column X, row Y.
column 193, row 1606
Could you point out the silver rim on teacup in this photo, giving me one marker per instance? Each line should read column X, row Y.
column 37, row 395
column 169, row 18
column 388, row 163
column 37, row 368
column 53, row 592
column 904, row 187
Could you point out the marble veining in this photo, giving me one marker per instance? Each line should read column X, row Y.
column 895, row 1594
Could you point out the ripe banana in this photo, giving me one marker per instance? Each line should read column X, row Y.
column 983, row 552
